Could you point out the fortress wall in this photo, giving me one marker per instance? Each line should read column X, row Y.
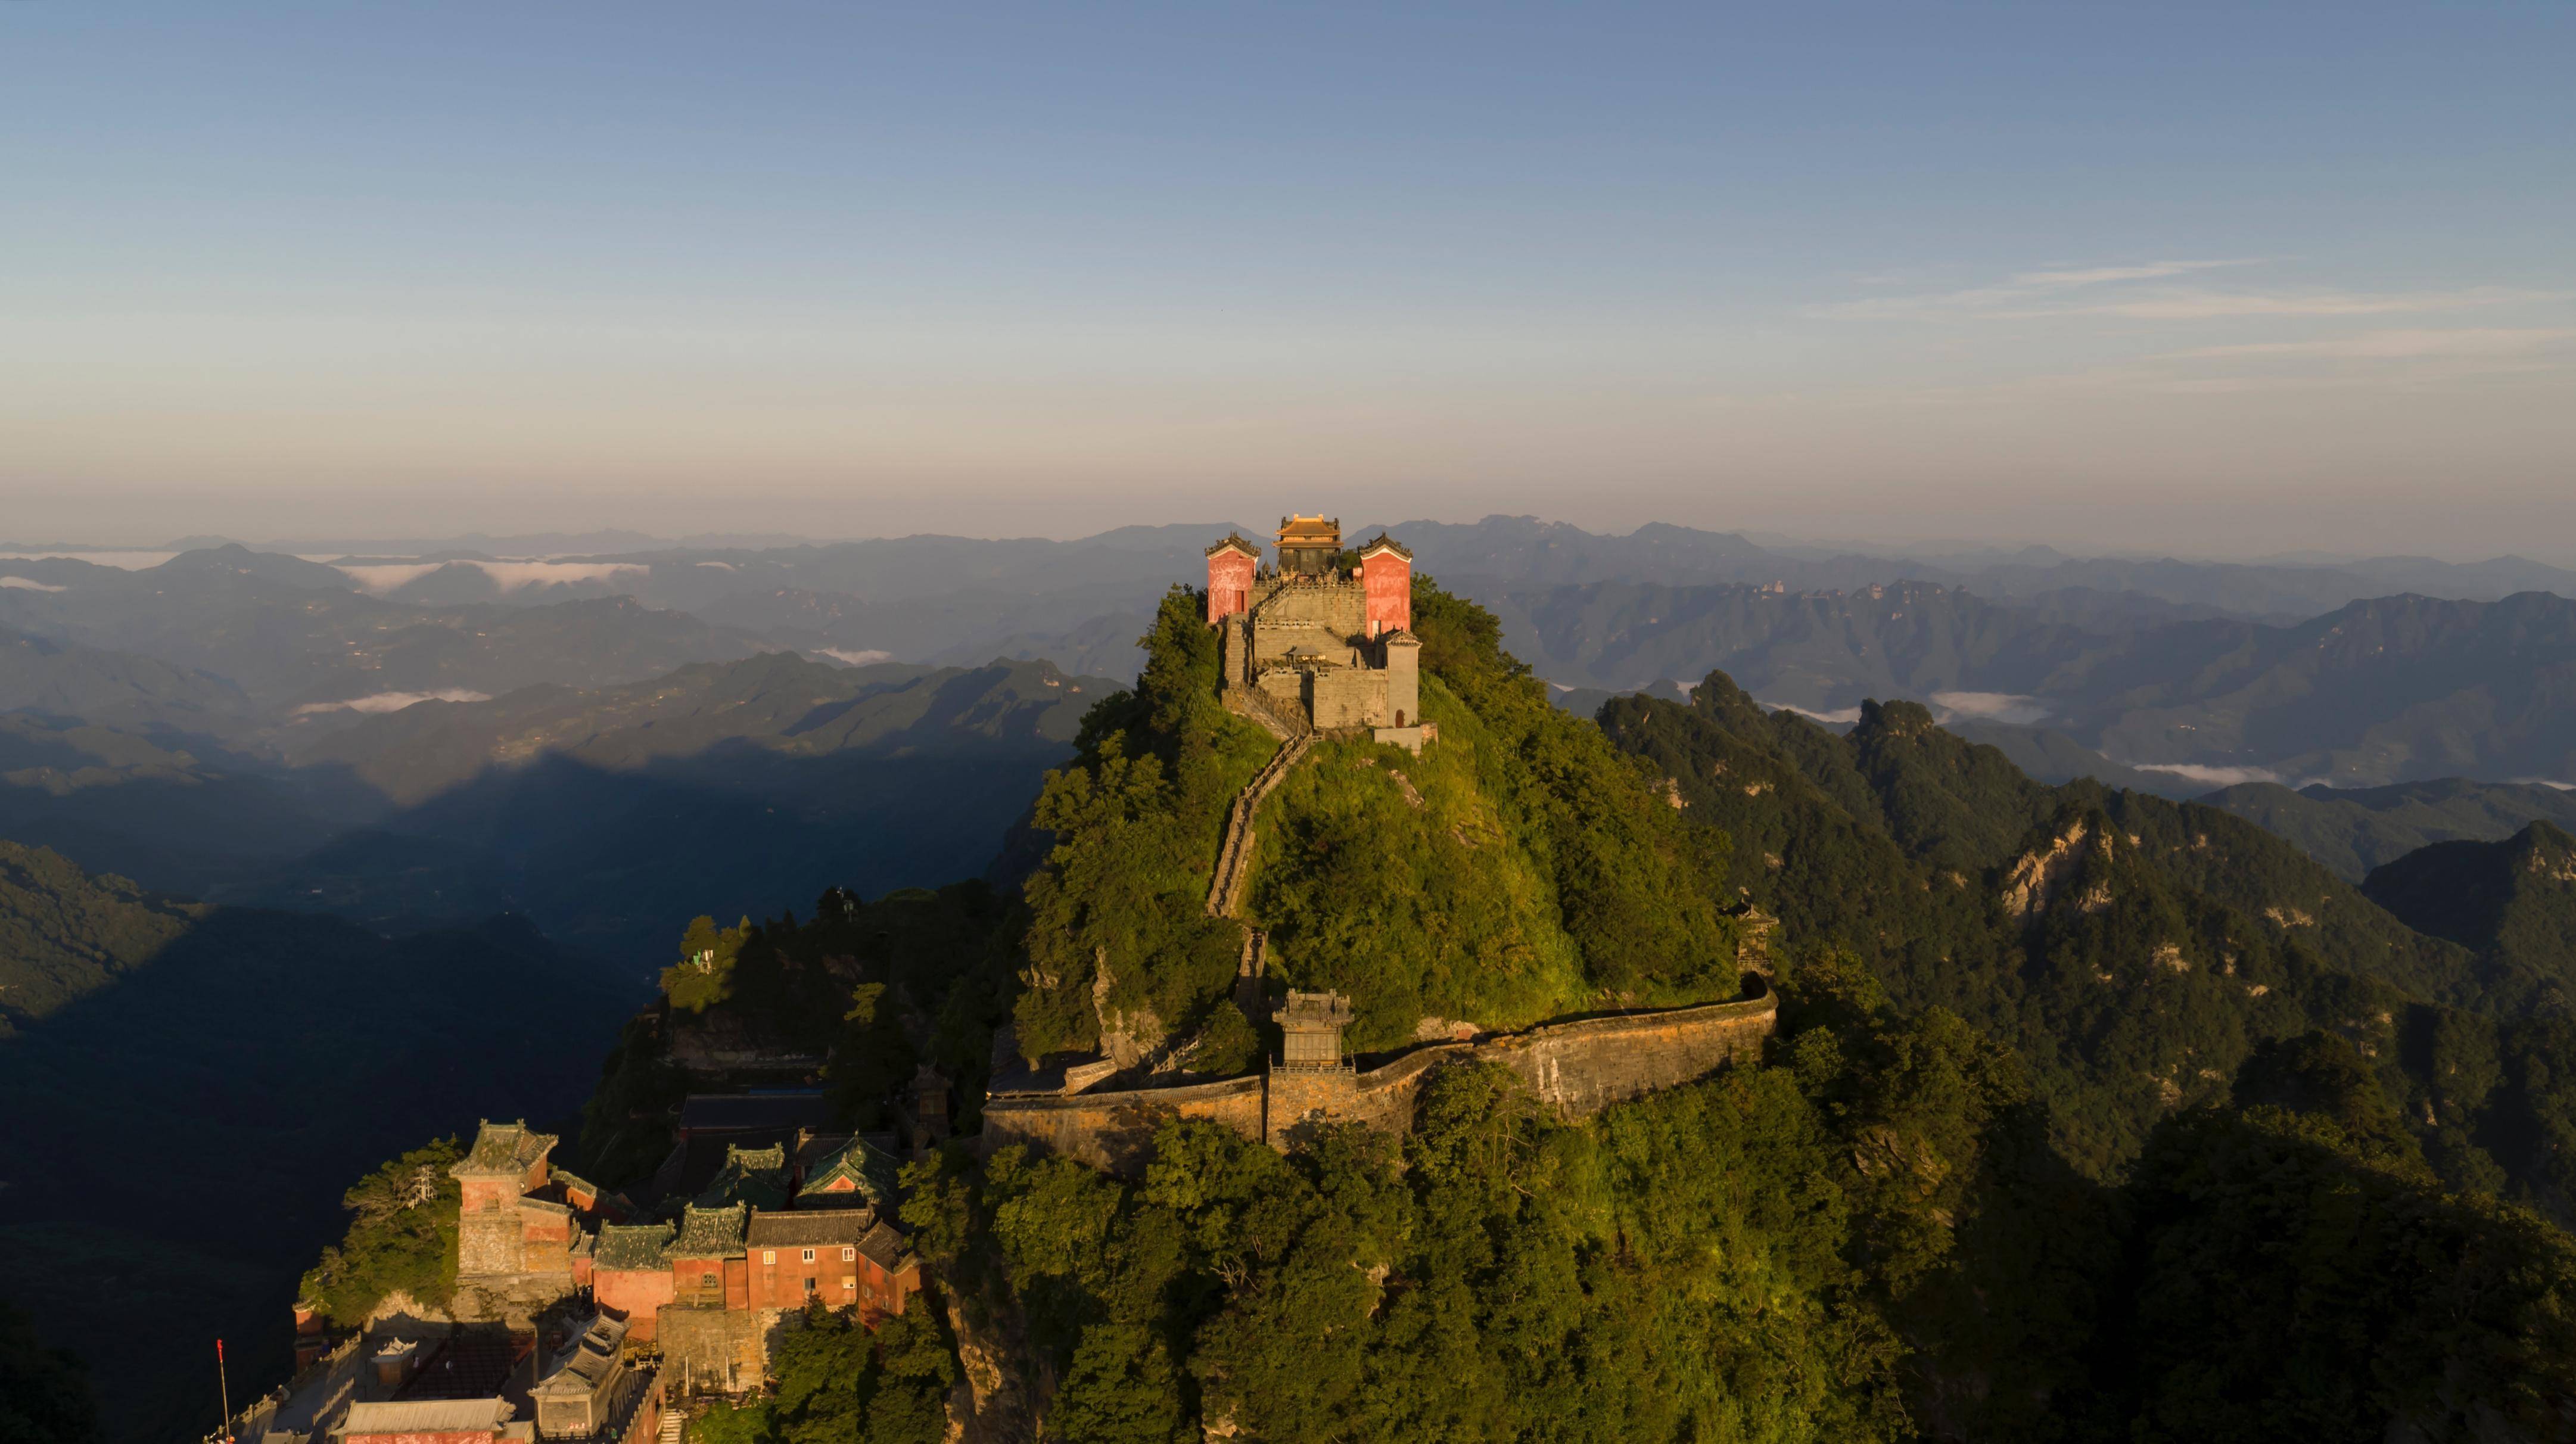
column 1112, row 1131
column 1583, row 1067
column 1578, row 1068
column 1339, row 699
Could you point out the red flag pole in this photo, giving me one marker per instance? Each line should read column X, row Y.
column 224, row 1390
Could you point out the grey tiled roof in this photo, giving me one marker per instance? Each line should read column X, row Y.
column 503, row 1148
column 710, row 1232
column 808, row 1228
column 884, row 1246
column 633, row 1246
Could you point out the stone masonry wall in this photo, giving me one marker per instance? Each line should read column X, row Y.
column 714, row 1348
column 1112, row 1130
column 1578, row 1068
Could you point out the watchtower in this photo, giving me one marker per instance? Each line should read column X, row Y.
column 1309, row 1085
column 1310, row 1027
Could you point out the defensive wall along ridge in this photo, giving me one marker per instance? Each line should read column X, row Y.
column 1577, row 1068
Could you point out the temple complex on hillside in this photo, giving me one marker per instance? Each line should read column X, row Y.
column 1319, row 639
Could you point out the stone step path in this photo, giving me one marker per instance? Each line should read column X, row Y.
column 1234, row 859
column 1249, row 972
column 675, row 1426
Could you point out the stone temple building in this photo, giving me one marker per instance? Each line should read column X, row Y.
column 1313, row 645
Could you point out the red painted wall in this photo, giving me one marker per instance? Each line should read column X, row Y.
column 1229, row 584
column 639, row 1294
column 1388, row 577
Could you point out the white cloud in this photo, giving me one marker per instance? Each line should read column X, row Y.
column 2009, row 707
column 867, row 658
column 2210, row 776
column 393, row 701
column 29, row 584
column 1838, row 717
column 2550, row 782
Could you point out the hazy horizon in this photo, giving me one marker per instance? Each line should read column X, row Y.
column 2209, row 282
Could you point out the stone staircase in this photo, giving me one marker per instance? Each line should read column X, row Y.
column 1284, row 723
column 1234, row 859
column 675, row 1427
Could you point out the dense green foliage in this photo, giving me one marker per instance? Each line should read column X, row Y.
column 1742, row 1258
column 1868, row 1239
column 2130, row 948
column 2295, row 1276
column 44, row 1393
column 64, row 932
column 2513, row 902
column 839, row 1384
column 402, row 1240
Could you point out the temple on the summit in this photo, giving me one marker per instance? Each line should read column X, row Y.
column 1310, row 641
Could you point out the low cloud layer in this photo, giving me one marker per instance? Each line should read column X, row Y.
column 2210, row 776
column 29, row 584
column 392, row 701
column 1838, row 717
column 381, row 578
column 867, row 658
column 2009, row 707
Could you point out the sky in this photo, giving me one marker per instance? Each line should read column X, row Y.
column 2213, row 281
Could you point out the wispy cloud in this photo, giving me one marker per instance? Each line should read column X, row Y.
column 2200, row 305
column 2015, row 293
column 2132, row 292
column 2395, row 345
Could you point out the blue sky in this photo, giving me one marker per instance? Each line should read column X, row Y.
column 2199, row 280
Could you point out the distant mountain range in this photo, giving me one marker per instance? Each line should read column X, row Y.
column 966, row 600
column 2355, row 830
column 2379, row 691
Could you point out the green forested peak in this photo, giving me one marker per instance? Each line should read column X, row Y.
column 1517, row 868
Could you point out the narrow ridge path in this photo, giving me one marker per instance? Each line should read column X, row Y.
column 1234, row 859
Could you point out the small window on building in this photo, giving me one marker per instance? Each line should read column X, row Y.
column 708, row 1280
column 850, row 1285
column 809, row 1255
column 769, row 1255
column 849, row 1255
column 810, row 1287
